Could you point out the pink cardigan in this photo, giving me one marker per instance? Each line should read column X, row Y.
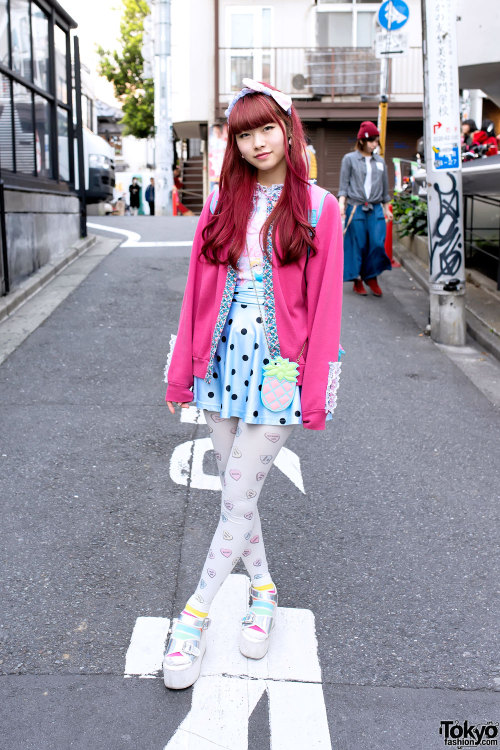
column 316, row 317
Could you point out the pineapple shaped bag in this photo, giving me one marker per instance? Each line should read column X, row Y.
column 279, row 383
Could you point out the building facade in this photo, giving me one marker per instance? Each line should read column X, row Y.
column 321, row 53
column 41, row 215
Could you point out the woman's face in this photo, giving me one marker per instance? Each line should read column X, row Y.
column 372, row 144
column 263, row 147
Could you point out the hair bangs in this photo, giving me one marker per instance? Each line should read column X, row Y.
column 253, row 111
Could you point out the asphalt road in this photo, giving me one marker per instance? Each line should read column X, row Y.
column 393, row 545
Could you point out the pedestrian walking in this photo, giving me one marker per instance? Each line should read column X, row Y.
column 134, row 190
column 150, row 196
column 258, row 340
column 364, row 205
column 178, row 184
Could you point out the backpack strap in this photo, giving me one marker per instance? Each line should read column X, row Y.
column 314, row 217
column 213, row 202
column 315, row 211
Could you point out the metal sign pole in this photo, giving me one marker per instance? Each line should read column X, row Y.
column 392, row 15
column 163, row 117
column 444, row 172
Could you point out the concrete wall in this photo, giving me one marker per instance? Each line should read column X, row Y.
column 192, row 61
column 40, row 227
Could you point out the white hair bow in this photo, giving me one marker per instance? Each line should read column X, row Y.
column 250, row 86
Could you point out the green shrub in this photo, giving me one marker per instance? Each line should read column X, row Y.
column 410, row 213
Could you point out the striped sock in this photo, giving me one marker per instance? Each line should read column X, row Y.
column 187, row 630
column 192, row 608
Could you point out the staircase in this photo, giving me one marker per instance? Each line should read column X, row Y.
column 191, row 194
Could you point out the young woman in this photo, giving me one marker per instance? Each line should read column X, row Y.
column 262, row 305
column 364, row 204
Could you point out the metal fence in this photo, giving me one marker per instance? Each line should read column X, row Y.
column 4, row 265
column 302, row 71
column 482, row 234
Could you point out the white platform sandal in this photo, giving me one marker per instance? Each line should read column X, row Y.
column 184, row 652
column 258, row 623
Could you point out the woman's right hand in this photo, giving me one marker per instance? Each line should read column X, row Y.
column 171, row 405
column 342, row 205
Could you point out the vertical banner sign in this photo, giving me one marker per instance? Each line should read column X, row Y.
column 442, row 147
column 443, row 85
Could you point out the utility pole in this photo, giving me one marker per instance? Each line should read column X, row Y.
column 163, row 108
column 444, row 172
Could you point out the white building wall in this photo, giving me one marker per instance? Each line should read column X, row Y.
column 477, row 32
column 192, row 61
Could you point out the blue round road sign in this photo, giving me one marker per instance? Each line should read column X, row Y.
column 393, row 14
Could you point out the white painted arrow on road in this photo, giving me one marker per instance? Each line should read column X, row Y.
column 186, row 462
column 230, row 685
column 133, row 239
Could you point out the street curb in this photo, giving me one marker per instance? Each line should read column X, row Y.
column 33, row 283
column 476, row 327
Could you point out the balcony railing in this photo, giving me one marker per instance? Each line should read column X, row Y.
column 308, row 72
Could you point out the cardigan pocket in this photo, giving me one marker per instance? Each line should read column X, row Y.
column 332, row 387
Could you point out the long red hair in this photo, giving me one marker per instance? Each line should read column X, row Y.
column 225, row 233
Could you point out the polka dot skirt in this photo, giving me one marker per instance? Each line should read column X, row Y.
column 237, row 373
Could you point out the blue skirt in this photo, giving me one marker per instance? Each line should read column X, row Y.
column 237, row 374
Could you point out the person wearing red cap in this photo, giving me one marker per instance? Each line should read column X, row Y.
column 364, row 204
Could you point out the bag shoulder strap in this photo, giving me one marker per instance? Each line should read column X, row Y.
column 213, row 202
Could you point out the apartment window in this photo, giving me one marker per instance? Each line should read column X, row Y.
column 61, row 75
column 249, row 36
column 20, row 38
column 346, row 24
column 40, row 26
column 35, row 118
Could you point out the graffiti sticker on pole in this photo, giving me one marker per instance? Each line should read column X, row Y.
column 443, row 88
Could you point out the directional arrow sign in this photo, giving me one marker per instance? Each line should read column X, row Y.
column 393, row 14
column 230, row 685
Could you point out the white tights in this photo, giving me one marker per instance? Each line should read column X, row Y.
column 244, row 453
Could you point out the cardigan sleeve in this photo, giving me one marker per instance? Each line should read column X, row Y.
column 180, row 371
column 324, row 311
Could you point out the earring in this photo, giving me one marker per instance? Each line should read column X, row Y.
column 242, row 156
column 290, row 141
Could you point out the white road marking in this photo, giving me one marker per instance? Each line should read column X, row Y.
column 289, row 463
column 145, row 653
column 186, row 465
column 230, row 685
column 133, row 238
column 192, row 415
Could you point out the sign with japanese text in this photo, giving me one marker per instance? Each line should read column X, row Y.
column 443, row 85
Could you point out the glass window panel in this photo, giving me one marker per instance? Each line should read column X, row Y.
column 339, row 29
column 241, row 67
column 266, row 67
column 23, row 129
column 20, row 37
column 62, row 142
column 242, row 30
column 366, row 29
column 60, row 45
column 42, row 137
column 266, row 28
column 6, row 149
column 4, row 34
column 40, row 24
